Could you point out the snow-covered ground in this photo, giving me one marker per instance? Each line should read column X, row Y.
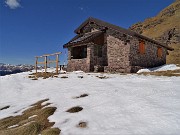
column 160, row 68
column 119, row 104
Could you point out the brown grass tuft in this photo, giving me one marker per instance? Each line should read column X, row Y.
column 33, row 128
column 75, row 109
column 43, row 75
column 26, row 125
column 51, row 131
column 174, row 56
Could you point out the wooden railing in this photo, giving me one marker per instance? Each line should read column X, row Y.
column 46, row 61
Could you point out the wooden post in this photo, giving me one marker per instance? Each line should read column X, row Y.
column 57, row 61
column 45, row 63
column 36, row 64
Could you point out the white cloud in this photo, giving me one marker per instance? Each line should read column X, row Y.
column 13, row 4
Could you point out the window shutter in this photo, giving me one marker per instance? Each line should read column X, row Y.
column 141, row 47
column 159, row 52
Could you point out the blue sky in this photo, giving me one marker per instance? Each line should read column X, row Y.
column 30, row 28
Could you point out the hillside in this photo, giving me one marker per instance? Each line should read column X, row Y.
column 165, row 27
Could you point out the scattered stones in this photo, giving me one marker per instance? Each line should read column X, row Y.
column 75, row 109
column 64, row 77
column 102, row 77
column 82, row 124
column 80, row 76
column 81, row 96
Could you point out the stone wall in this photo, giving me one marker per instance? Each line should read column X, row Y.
column 148, row 59
column 95, row 60
column 117, row 52
column 79, row 64
column 120, row 53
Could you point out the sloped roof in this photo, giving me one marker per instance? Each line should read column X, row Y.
column 119, row 29
column 83, row 38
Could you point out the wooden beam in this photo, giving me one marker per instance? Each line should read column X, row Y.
column 40, row 62
column 51, row 54
column 36, row 64
column 57, row 61
column 48, row 54
column 51, row 61
column 45, row 63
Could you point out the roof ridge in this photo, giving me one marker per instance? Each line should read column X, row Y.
column 119, row 29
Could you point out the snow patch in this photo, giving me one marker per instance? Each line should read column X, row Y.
column 160, row 68
column 32, row 116
column 13, row 126
column 77, row 72
column 62, row 71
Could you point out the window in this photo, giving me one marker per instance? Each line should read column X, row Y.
column 98, row 50
column 159, row 52
column 79, row 52
column 141, row 47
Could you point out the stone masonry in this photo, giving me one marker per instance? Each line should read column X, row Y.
column 120, row 52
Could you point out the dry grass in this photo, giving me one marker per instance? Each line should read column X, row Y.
column 30, row 126
column 75, row 109
column 174, row 56
column 43, row 75
column 163, row 73
column 51, row 131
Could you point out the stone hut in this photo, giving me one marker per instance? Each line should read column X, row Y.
column 103, row 47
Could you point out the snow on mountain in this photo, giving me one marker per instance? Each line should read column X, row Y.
column 118, row 104
column 6, row 69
